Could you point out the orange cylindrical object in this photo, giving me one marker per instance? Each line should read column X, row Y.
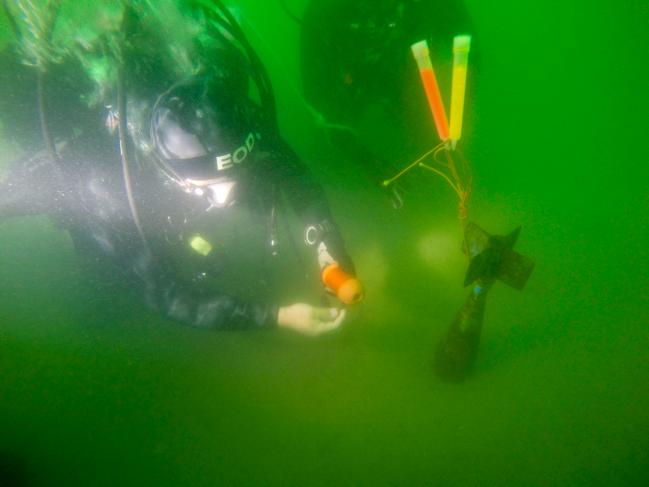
column 435, row 101
column 345, row 286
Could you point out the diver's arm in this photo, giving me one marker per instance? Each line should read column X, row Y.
column 308, row 199
column 220, row 311
column 217, row 311
column 182, row 302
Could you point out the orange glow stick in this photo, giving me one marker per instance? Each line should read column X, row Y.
column 421, row 52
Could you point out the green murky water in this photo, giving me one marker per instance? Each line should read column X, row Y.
column 558, row 142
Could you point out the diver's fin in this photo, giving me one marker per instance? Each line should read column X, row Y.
column 493, row 257
column 475, row 239
column 515, row 270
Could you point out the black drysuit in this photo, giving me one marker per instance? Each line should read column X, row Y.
column 84, row 191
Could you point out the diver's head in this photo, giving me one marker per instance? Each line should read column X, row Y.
column 204, row 136
column 373, row 26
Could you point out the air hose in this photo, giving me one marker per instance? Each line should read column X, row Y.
column 122, row 130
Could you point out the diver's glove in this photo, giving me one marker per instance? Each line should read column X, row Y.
column 310, row 320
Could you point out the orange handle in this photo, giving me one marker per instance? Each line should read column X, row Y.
column 345, row 286
column 435, row 102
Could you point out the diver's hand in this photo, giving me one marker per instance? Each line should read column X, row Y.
column 310, row 320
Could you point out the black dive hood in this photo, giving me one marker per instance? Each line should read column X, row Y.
column 203, row 131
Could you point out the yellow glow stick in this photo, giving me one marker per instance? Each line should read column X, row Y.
column 461, row 46
column 200, row 245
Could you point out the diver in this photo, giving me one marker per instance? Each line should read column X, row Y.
column 168, row 178
column 359, row 77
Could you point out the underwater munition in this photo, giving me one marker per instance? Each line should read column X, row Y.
column 491, row 257
column 421, row 53
column 457, row 351
column 461, row 46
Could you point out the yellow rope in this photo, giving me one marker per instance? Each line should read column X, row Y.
column 388, row 182
column 459, row 181
column 448, row 180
